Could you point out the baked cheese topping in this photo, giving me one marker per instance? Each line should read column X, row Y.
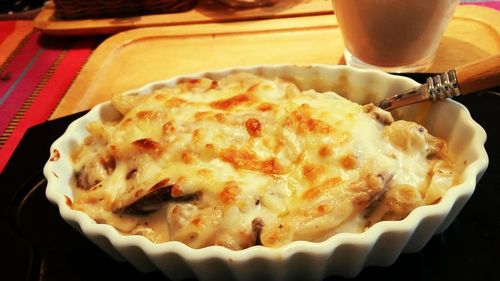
column 246, row 161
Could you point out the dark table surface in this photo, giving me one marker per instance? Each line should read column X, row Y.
column 39, row 245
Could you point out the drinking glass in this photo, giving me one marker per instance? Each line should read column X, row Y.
column 392, row 35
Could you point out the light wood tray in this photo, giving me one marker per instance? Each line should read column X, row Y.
column 206, row 11
column 130, row 59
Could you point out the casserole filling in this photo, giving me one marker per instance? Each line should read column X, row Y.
column 245, row 161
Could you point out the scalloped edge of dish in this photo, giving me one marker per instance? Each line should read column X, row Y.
column 344, row 254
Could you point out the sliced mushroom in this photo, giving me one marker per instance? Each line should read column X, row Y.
column 93, row 172
column 153, row 199
column 257, row 225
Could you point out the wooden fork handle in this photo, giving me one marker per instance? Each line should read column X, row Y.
column 479, row 75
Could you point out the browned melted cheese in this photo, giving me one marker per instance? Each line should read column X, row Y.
column 265, row 163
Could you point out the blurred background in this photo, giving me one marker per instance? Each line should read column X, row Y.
column 25, row 9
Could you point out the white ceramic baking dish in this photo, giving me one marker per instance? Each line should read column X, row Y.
column 343, row 254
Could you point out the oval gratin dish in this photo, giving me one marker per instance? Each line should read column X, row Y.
column 344, row 254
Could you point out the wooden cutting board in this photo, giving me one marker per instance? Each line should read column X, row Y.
column 206, row 11
column 132, row 58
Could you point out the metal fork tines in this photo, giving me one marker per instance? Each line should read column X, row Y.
column 441, row 86
column 437, row 87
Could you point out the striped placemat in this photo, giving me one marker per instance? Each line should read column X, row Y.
column 35, row 72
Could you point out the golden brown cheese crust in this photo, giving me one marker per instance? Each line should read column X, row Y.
column 244, row 161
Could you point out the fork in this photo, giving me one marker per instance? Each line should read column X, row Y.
column 471, row 78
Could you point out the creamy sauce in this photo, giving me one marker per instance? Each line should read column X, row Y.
column 260, row 162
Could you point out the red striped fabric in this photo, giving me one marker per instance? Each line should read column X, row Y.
column 12, row 35
column 25, row 72
column 50, row 95
column 6, row 30
column 34, row 79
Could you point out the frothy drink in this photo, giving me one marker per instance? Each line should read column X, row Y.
column 391, row 33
